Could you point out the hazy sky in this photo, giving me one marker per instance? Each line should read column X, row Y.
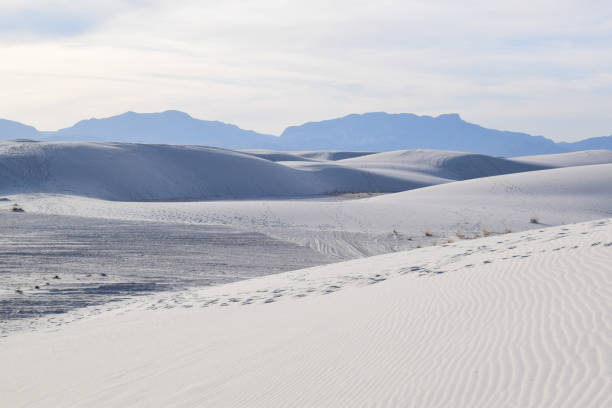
column 543, row 67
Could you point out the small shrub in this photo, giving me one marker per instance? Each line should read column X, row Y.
column 16, row 208
column 460, row 235
column 485, row 233
column 507, row 231
column 534, row 220
column 428, row 234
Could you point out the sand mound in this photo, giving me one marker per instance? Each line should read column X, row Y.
column 331, row 155
column 583, row 158
column 348, row 229
column 518, row 320
column 125, row 171
column 275, row 156
column 443, row 164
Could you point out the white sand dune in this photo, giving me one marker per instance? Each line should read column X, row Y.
column 516, row 320
column 140, row 172
column 423, row 167
column 304, row 155
column 391, row 222
column 417, row 178
column 443, row 164
column 583, row 158
column 332, row 155
column 124, row 171
column 275, row 155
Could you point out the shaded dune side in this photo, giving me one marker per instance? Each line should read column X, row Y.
column 332, row 155
column 129, row 172
column 444, row 164
column 582, row 158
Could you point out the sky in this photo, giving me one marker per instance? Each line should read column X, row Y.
column 539, row 66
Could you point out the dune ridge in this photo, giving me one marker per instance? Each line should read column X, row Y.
column 518, row 320
column 581, row 158
column 386, row 223
column 136, row 172
column 140, row 172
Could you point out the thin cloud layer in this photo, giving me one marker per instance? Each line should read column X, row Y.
column 28, row 19
column 540, row 67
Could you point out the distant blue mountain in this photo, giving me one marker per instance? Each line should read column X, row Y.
column 170, row 127
column 378, row 131
column 594, row 143
column 383, row 132
column 15, row 130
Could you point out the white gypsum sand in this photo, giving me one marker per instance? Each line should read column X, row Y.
column 582, row 158
column 515, row 320
column 137, row 172
column 348, row 229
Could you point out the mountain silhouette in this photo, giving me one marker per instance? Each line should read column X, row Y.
column 376, row 131
column 169, row 127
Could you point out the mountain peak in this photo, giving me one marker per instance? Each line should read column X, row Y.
column 175, row 114
column 371, row 131
column 449, row 116
column 10, row 129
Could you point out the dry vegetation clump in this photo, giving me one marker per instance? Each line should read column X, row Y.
column 507, row 231
column 534, row 220
column 16, row 208
column 485, row 233
column 460, row 235
column 428, row 234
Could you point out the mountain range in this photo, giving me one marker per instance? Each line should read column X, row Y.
column 376, row 131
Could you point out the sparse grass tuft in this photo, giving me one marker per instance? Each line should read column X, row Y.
column 534, row 220
column 16, row 208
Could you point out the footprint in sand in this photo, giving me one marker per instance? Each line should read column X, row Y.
column 376, row 279
column 331, row 289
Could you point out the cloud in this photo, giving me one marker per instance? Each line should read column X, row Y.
column 45, row 22
column 266, row 64
column 59, row 17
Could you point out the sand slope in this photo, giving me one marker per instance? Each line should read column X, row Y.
column 140, row 172
column 274, row 155
column 439, row 163
column 515, row 320
column 305, row 155
column 329, row 154
column 347, row 229
column 583, row 158
column 124, row 171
